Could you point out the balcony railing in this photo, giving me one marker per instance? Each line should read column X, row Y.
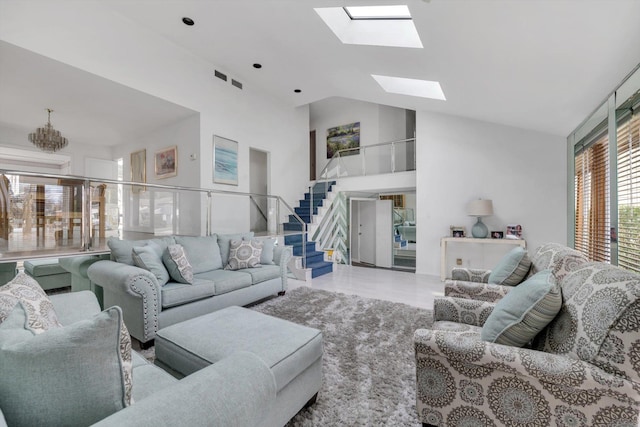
column 46, row 215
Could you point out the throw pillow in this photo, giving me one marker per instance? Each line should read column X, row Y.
column 203, row 252
column 24, row 289
column 67, row 375
column 224, row 240
column 177, row 264
column 244, row 254
column 149, row 257
column 266, row 257
column 511, row 269
column 525, row 311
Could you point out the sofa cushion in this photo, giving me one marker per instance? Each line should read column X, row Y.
column 179, row 293
column 23, row 289
column 202, row 251
column 267, row 272
column 224, row 241
column 43, row 267
column 511, row 269
column 226, row 281
column 177, row 263
column 244, row 254
column 66, row 375
column 121, row 249
column 266, row 257
column 524, row 312
column 595, row 296
column 149, row 257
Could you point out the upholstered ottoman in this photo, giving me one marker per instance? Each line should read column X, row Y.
column 48, row 273
column 293, row 352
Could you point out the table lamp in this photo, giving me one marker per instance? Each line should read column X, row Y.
column 480, row 208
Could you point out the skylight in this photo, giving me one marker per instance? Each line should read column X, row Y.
column 411, row 87
column 378, row 12
column 373, row 26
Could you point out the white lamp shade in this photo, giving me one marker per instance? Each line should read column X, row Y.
column 480, row 208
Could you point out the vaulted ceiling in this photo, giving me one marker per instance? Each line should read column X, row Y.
column 542, row 65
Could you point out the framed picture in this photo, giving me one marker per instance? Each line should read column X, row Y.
column 497, row 235
column 166, row 162
column 457, row 231
column 514, row 231
column 342, row 138
column 138, row 170
column 225, row 161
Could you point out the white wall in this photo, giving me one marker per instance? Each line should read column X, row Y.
column 91, row 37
column 378, row 123
column 459, row 160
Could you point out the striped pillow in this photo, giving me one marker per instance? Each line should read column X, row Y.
column 524, row 312
column 511, row 269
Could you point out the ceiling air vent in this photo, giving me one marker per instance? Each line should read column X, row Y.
column 221, row 76
column 236, row 83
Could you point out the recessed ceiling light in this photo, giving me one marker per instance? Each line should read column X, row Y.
column 256, row 65
column 297, row 90
column 383, row 30
column 411, row 87
column 188, row 21
column 399, row 11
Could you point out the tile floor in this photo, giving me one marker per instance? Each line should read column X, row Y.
column 409, row 288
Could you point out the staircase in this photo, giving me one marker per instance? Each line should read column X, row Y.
column 306, row 210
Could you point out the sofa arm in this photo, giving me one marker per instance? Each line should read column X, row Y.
column 475, row 290
column 489, row 375
column 461, row 310
column 237, row 391
column 78, row 265
column 470, row 274
column 281, row 256
column 133, row 289
column 74, row 306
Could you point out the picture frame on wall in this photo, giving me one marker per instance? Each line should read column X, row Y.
column 342, row 138
column 166, row 162
column 225, row 161
column 138, row 170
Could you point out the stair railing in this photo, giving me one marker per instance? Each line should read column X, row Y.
column 332, row 230
column 133, row 211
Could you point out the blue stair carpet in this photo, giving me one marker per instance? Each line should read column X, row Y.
column 305, row 210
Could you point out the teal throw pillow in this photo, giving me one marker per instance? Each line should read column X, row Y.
column 244, row 254
column 225, row 239
column 266, row 257
column 512, row 268
column 178, row 264
column 525, row 311
column 71, row 375
column 202, row 251
column 149, row 257
column 121, row 249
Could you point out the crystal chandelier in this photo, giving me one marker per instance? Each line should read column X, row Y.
column 47, row 138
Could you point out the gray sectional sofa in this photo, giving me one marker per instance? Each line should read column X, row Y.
column 149, row 305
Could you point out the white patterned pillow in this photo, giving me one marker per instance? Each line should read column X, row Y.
column 24, row 289
column 178, row 266
column 244, row 254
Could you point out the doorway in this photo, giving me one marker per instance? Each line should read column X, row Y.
column 371, row 232
column 312, row 155
column 258, row 187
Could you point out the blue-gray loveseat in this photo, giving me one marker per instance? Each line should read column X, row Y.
column 149, row 305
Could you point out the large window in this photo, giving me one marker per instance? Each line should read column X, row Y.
column 628, row 134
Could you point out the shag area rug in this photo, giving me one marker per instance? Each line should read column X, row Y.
column 368, row 362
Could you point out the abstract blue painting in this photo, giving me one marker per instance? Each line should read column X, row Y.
column 225, row 161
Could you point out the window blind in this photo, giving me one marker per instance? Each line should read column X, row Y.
column 628, row 135
column 592, row 199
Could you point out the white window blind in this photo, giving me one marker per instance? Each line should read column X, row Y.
column 628, row 135
column 592, row 199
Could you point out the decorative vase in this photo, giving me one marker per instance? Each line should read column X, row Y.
column 479, row 230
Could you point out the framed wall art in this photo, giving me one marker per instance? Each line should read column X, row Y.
column 342, row 138
column 166, row 162
column 225, row 161
column 138, row 170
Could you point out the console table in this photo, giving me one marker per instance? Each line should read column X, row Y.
column 469, row 240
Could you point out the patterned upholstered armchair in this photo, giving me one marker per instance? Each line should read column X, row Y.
column 474, row 283
column 582, row 369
